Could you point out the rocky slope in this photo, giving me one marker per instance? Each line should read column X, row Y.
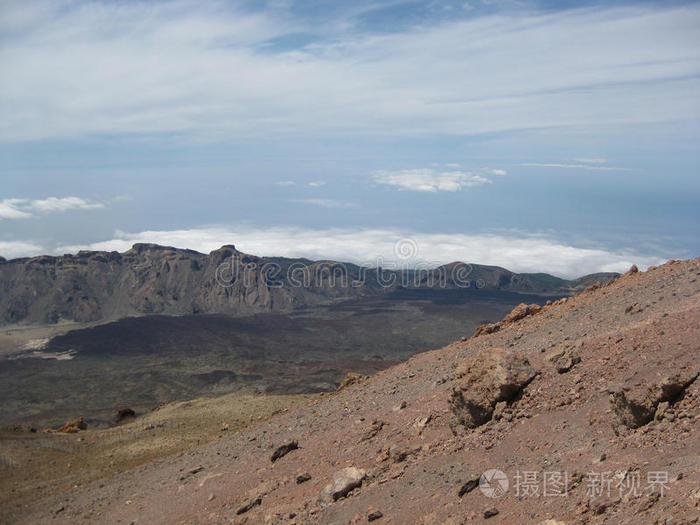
column 152, row 279
column 589, row 408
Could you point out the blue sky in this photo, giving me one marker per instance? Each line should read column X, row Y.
column 555, row 136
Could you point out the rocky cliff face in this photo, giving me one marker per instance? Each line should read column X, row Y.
column 152, row 279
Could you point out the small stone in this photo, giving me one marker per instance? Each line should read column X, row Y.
column 303, row 478
column 283, row 450
column 252, row 503
column 490, row 513
column 468, row 486
column 373, row 430
column 401, row 406
column 420, row 423
column 374, row 515
column 211, row 497
column 499, row 410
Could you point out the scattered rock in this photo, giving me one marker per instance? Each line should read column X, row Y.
column 70, row 427
column 633, row 309
column 566, row 362
column 303, row 478
column 420, row 423
column 400, row 406
column 485, row 329
column 374, row 515
column 343, row 482
column 490, row 513
column 490, row 376
column 350, row 379
column 521, row 311
column 499, row 410
column 648, row 502
column 661, row 410
column 250, row 504
column 373, row 430
column 633, row 269
column 283, row 450
column 124, row 413
column 468, row 486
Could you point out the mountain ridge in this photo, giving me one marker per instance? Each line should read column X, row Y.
column 153, row 279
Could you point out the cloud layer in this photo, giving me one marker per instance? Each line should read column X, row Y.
column 382, row 247
column 429, row 180
column 206, row 69
column 26, row 208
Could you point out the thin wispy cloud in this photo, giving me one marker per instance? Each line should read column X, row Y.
column 326, row 203
column 205, row 69
column 429, row 180
column 285, row 183
column 588, row 167
column 590, row 160
column 27, row 208
column 371, row 246
column 317, row 183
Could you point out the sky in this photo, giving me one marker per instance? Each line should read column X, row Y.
column 535, row 135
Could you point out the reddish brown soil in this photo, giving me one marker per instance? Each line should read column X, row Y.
column 633, row 332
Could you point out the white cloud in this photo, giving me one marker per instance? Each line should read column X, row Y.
column 26, row 208
column 10, row 209
column 72, row 69
column 285, row 183
column 521, row 253
column 326, row 203
column 13, row 249
column 573, row 166
column 498, row 172
column 53, row 204
column 429, row 180
column 317, row 183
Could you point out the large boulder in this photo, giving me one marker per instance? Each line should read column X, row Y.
column 489, row 377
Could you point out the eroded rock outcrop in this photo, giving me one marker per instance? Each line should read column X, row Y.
column 489, row 377
column 519, row 312
column 635, row 405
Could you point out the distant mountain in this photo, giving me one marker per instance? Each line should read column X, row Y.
column 153, row 279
